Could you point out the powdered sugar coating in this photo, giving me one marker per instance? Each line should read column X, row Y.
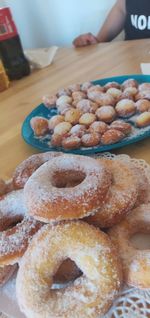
column 47, row 197
column 90, row 295
column 136, row 263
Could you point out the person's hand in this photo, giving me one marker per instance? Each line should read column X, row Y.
column 85, row 39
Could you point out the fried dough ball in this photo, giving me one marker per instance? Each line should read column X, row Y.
column 64, row 99
column 72, row 116
column 112, row 136
column 129, row 83
column 131, row 91
column 39, row 125
column 62, row 128
column 143, row 95
column 90, row 139
column 111, row 85
column 71, row 142
column 77, row 96
column 143, row 120
column 96, row 89
column 87, row 106
column 121, row 125
column 142, row 105
column 78, row 130
column 87, row 119
column 74, row 87
column 102, row 99
column 144, row 87
column 98, row 127
column 49, row 100
column 64, row 91
column 106, row 114
column 125, row 108
column 56, row 140
column 85, row 86
column 54, row 121
column 114, row 92
column 62, row 109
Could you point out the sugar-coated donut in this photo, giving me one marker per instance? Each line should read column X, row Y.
column 64, row 91
column 111, row 136
column 62, row 109
column 95, row 88
column 102, row 99
column 87, row 106
column 71, row 142
column 77, row 96
column 121, row 196
column 72, row 116
column 144, row 87
column 87, row 119
column 142, row 186
column 12, row 208
column 142, row 105
column 14, row 241
column 130, row 91
column 78, row 130
column 49, row 100
column 129, row 83
column 89, row 296
column 56, row 140
column 106, row 114
column 47, row 201
column 54, row 121
column 111, row 85
column 121, row 125
column 85, row 86
column 136, row 264
column 39, row 125
column 115, row 92
column 62, row 128
column 90, row 139
column 125, row 108
column 143, row 120
column 143, row 95
column 64, row 99
column 29, row 165
column 6, row 273
column 98, row 127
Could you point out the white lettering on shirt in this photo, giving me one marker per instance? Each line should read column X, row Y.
column 134, row 20
column 140, row 22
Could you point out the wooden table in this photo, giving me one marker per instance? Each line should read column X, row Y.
column 70, row 66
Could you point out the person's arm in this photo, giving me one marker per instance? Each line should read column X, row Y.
column 114, row 22
column 112, row 26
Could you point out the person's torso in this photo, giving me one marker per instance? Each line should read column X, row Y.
column 137, row 24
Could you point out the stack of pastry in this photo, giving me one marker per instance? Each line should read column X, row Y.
column 73, row 217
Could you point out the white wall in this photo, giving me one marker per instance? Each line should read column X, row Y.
column 42, row 23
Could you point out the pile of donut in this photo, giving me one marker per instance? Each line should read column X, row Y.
column 69, row 219
column 91, row 115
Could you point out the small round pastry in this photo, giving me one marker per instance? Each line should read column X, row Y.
column 71, row 142
column 125, row 108
column 64, row 91
column 142, row 95
column 45, row 199
column 56, row 140
column 49, row 101
column 6, row 273
column 3, row 187
column 111, row 85
column 143, row 120
column 95, row 89
column 98, row 127
column 136, row 265
column 102, row 99
column 90, row 139
column 87, row 119
column 62, row 128
column 142, row 185
column 86, row 106
column 111, row 136
column 91, row 295
column 115, row 92
column 78, row 130
column 85, row 86
column 72, row 116
column 77, row 96
column 62, row 109
column 144, row 87
column 64, row 99
column 126, row 95
column 129, row 83
column 121, row 196
column 25, row 169
column 130, row 91
column 106, row 114
column 74, row 87
column 39, row 125
column 54, row 121
column 121, row 125
column 14, row 241
column 142, row 105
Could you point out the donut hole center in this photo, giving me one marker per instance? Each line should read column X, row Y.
column 67, row 178
column 67, row 273
column 140, row 241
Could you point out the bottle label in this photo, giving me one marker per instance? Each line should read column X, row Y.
column 7, row 25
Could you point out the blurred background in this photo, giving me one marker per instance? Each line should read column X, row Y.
column 42, row 23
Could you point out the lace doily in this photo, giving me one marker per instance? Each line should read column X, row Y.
column 132, row 302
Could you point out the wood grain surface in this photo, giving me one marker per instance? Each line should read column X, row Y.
column 69, row 66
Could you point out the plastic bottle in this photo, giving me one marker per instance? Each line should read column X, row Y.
column 11, row 51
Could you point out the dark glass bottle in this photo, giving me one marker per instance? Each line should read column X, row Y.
column 11, row 51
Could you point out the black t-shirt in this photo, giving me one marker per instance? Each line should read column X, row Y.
column 137, row 23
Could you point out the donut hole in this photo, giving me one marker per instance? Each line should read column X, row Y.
column 67, row 178
column 67, row 273
column 140, row 241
